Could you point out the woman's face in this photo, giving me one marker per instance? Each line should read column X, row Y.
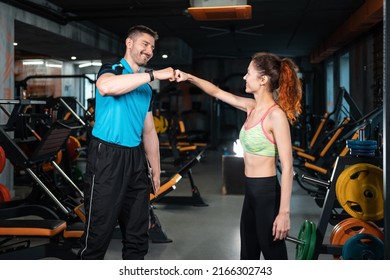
column 252, row 79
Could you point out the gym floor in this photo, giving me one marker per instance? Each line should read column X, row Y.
column 211, row 231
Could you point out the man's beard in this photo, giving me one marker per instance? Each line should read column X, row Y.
column 142, row 61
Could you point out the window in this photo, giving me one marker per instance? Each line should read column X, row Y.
column 344, row 82
column 89, row 89
column 329, row 87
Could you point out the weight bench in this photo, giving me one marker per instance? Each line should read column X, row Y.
column 75, row 230
column 20, row 234
column 45, row 152
column 195, row 199
column 167, row 186
column 48, row 228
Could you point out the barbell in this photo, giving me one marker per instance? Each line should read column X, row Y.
column 306, row 241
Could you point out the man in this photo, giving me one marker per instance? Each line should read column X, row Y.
column 117, row 187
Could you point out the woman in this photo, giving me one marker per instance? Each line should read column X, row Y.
column 265, row 137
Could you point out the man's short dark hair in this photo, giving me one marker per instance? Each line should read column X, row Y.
column 136, row 30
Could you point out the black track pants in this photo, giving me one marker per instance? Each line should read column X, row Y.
column 116, row 191
column 260, row 207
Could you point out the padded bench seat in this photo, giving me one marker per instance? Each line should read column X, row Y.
column 75, row 230
column 31, row 227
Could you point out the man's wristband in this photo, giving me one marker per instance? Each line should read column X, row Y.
column 150, row 72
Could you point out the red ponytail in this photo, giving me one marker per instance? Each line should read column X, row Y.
column 290, row 90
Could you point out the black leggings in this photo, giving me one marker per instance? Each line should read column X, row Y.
column 260, row 208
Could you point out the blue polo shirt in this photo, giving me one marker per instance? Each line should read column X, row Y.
column 120, row 119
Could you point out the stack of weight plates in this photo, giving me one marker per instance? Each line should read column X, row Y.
column 362, row 148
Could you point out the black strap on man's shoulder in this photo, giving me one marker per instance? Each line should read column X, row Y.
column 116, row 69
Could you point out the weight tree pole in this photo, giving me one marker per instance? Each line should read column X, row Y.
column 386, row 124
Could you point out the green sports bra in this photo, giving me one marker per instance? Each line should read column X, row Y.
column 255, row 140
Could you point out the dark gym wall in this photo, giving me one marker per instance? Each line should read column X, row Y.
column 366, row 58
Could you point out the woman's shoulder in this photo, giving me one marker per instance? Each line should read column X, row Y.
column 277, row 113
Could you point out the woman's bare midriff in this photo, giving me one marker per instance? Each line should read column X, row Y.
column 259, row 166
